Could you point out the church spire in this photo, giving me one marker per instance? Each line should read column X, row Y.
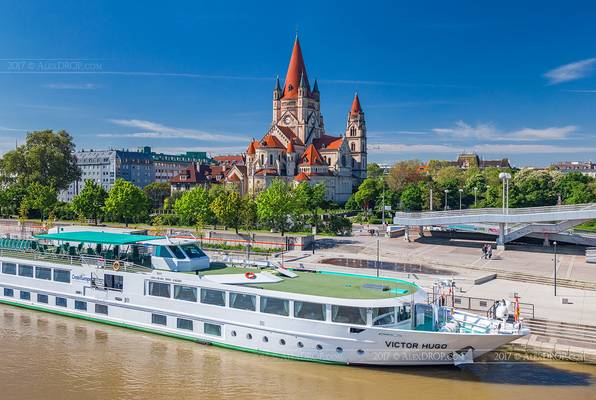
column 296, row 72
column 356, row 109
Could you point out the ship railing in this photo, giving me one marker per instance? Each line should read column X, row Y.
column 66, row 259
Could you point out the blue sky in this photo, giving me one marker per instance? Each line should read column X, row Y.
column 505, row 79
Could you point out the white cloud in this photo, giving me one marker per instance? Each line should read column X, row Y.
column 488, row 131
column 72, row 86
column 156, row 130
column 500, row 149
column 570, row 72
column 412, row 148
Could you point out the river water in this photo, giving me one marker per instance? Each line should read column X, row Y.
column 44, row 356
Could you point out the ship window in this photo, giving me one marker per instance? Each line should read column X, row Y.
column 62, row 275
column 9, row 268
column 383, row 316
column 8, row 292
column 184, row 324
column 348, row 315
column 113, row 281
column 42, row 298
column 25, row 295
column 177, row 252
column 101, row 309
column 193, row 251
column 161, row 251
column 61, row 302
column 159, row 289
column 271, row 305
column 159, row 319
column 243, row 301
column 185, row 293
column 212, row 329
column 303, row 309
column 214, row 297
column 81, row 305
column 26, row 270
column 43, row 273
column 404, row 312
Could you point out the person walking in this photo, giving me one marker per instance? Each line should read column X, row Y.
column 490, row 251
column 484, row 250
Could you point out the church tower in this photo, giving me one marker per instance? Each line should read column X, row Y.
column 356, row 135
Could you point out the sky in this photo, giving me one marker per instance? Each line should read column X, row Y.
column 435, row 78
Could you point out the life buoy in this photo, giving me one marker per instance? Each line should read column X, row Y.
column 250, row 275
column 116, row 266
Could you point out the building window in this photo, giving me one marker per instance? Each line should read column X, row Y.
column 348, row 315
column 43, row 273
column 9, row 268
column 243, row 301
column 214, row 297
column 185, row 293
column 159, row 319
column 61, row 302
column 42, row 298
column 81, row 305
column 62, row 275
column 271, row 305
column 306, row 310
column 101, row 309
column 212, row 329
column 159, row 289
column 186, row 324
column 8, row 292
column 26, row 270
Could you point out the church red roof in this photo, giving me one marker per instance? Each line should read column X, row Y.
column 252, row 147
column 356, row 109
column 325, row 141
column 289, row 134
column 311, row 156
column 290, row 148
column 271, row 142
column 296, row 70
column 301, row 177
column 232, row 158
column 266, row 171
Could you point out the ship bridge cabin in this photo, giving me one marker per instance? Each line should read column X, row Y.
column 125, row 251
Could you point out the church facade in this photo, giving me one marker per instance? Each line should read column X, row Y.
column 296, row 147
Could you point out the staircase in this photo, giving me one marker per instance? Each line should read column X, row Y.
column 566, row 333
column 541, row 228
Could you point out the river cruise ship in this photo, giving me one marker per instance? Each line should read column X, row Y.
column 168, row 286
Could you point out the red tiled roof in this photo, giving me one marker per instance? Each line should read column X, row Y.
column 266, row 171
column 188, row 175
column 296, row 70
column 252, row 147
column 233, row 178
column 290, row 148
column 301, row 177
column 311, row 156
column 356, row 109
column 289, row 134
column 233, row 158
column 325, row 141
column 271, row 142
column 335, row 145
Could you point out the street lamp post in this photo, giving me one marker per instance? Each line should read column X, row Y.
column 446, row 191
column 460, row 192
column 431, row 200
column 475, row 195
column 505, row 176
column 555, row 266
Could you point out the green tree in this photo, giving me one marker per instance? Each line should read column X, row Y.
column 193, row 207
column 248, row 212
column 412, row 198
column 47, row 158
column 11, row 197
column 157, row 192
column 276, row 206
column 309, row 199
column 534, row 188
column 227, row 208
column 373, row 170
column 367, row 192
column 403, row 173
column 91, row 201
column 40, row 198
column 126, row 202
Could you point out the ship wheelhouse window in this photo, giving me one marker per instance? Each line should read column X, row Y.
column 178, row 253
column 161, row 251
column 9, row 268
column 62, row 275
column 43, row 273
column 113, row 281
column 159, row 319
column 348, row 315
column 186, row 293
column 404, row 312
column 80, row 305
column 25, row 295
column 383, row 316
column 186, row 324
column 193, row 251
column 243, row 301
column 159, row 289
column 306, row 310
column 271, row 305
column 213, row 297
column 26, row 270
column 101, row 309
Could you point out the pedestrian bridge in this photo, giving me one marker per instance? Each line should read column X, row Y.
column 521, row 221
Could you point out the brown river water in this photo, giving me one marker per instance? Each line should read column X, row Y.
column 44, row 356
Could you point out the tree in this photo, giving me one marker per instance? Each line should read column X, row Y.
column 309, row 199
column 275, row 205
column 534, row 188
column 126, row 202
column 412, row 198
column 41, row 198
column 339, row 225
column 367, row 192
column 402, row 173
column 248, row 212
column 157, row 192
column 193, row 207
column 47, row 158
column 91, row 201
column 227, row 208
column 11, row 198
column 373, row 170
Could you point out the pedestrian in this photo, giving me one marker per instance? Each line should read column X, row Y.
column 484, row 250
column 490, row 252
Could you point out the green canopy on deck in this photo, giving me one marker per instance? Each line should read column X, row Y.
column 97, row 237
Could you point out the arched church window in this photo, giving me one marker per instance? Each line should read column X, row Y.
column 352, row 131
column 270, row 158
column 353, row 146
column 262, row 159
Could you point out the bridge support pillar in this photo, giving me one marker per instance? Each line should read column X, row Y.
column 546, row 240
column 501, row 238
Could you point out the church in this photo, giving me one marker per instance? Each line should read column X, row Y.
column 297, row 149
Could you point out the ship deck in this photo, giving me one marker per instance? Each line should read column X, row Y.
column 327, row 283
